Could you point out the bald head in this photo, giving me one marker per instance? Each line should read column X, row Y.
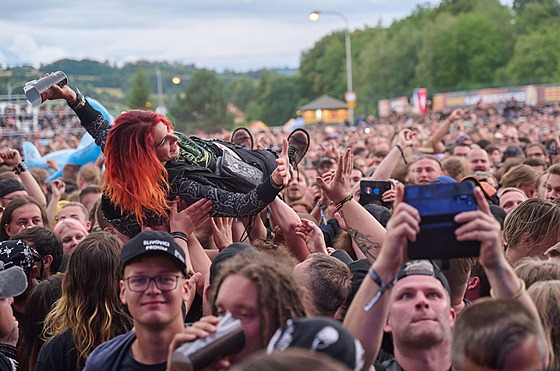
column 479, row 159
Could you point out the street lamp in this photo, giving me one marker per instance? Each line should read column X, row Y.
column 11, row 88
column 314, row 16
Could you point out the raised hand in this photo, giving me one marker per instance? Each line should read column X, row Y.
column 312, row 235
column 186, row 219
column 10, row 157
column 222, row 231
column 339, row 188
column 282, row 173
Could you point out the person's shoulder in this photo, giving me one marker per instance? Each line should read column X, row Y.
column 110, row 348
column 6, row 364
column 60, row 341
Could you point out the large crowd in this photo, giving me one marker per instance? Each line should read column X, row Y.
column 146, row 266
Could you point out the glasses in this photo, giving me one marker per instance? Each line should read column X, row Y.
column 166, row 282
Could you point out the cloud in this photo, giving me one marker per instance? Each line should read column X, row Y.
column 235, row 34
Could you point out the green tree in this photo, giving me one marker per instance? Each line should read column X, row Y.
column 280, row 100
column 536, row 56
column 322, row 68
column 140, row 91
column 240, row 91
column 203, row 103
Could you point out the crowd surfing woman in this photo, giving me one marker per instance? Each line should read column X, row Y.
column 148, row 164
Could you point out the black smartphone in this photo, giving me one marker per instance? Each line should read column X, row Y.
column 371, row 192
column 438, row 203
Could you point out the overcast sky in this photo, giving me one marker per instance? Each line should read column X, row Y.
column 215, row 34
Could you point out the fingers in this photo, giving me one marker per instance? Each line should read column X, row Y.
column 399, row 196
column 481, row 202
column 284, row 152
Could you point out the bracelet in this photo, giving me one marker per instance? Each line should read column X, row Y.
column 402, row 154
column 180, row 235
column 341, row 203
column 276, row 185
column 21, row 168
column 382, row 288
column 517, row 294
column 78, row 103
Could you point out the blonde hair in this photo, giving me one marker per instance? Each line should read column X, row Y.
column 531, row 224
column 91, row 174
column 523, row 174
column 546, row 296
column 503, row 191
column 90, row 305
column 532, row 270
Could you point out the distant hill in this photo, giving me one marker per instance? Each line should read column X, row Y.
column 110, row 84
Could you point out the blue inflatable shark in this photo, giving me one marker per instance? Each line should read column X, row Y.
column 86, row 152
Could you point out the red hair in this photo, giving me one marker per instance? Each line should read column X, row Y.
column 134, row 177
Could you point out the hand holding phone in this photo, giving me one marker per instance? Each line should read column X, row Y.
column 438, row 204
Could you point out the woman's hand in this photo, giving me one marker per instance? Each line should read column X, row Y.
column 56, row 92
column 283, row 172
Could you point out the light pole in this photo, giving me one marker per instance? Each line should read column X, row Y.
column 161, row 106
column 11, row 88
column 314, row 16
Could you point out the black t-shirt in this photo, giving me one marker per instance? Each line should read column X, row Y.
column 5, row 363
column 59, row 354
column 130, row 364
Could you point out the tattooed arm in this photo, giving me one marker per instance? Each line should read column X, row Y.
column 364, row 229
column 366, row 242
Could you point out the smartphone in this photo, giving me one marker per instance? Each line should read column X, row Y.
column 438, row 203
column 371, row 192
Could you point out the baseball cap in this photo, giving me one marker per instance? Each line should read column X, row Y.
column 10, row 185
column 444, row 179
column 13, row 282
column 18, row 253
column 322, row 335
column 225, row 254
column 153, row 243
column 324, row 160
column 489, row 191
column 423, row 268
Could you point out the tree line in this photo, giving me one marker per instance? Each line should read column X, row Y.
column 456, row 45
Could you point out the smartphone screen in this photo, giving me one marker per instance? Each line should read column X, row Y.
column 371, row 191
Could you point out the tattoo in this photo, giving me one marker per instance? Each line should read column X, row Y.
column 364, row 242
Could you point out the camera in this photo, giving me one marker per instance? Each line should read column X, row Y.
column 438, row 203
column 371, row 192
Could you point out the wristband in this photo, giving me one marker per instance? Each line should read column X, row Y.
column 402, row 154
column 21, row 168
column 341, row 203
column 382, row 288
column 180, row 235
column 276, row 185
column 78, row 103
column 514, row 296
